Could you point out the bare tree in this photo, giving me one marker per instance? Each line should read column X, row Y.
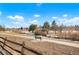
column 2, row 28
column 46, row 26
column 54, row 26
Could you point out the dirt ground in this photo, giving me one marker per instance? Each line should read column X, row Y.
column 46, row 48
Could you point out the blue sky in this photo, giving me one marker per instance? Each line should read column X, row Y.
column 24, row 14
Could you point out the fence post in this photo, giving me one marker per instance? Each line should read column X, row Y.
column 4, row 42
column 22, row 49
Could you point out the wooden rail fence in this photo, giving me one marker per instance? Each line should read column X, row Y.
column 22, row 45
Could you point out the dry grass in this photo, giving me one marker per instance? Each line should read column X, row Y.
column 67, row 35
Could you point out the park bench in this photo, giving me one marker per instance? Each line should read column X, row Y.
column 38, row 37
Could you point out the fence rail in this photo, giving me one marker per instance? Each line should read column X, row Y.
column 1, row 53
column 22, row 45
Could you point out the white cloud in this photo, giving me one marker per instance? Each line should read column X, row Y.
column 34, row 22
column 20, row 24
column 55, row 17
column 16, row 23
column 16, row 17
column 0, row 13
column 65, row 15
column 71, row 21
column 36, row 15
column 10, row 17
column 74, row 19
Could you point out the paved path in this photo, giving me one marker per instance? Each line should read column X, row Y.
column 63, row 42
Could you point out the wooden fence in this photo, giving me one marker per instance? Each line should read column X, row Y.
column 3, row 44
